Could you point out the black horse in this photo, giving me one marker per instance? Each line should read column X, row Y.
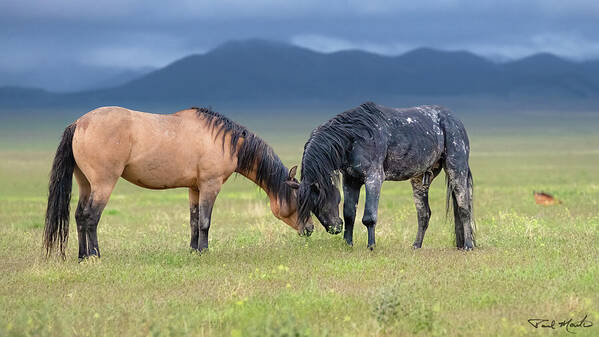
column 373, row 143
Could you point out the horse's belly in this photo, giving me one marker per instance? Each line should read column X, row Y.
column 160, row 174
column 403, row 165
column 399, row 171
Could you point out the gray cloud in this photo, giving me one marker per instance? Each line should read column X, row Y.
column 128, row 9
column 136, row 33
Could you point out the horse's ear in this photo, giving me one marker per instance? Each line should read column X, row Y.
column 293, row 183
column 292, row 172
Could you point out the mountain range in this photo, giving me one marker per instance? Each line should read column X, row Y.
column 63, row 78
column 258, row 71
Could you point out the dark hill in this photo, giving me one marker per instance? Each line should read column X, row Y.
column 258, row 71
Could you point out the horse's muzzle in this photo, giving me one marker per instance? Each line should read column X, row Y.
column 307, row 230
column 336, row 228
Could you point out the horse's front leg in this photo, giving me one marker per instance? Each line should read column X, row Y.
column 373, row 190
column 207, row 196
column 351, row 194
column 194, row 217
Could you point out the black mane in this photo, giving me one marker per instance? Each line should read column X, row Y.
column 253, row 152
column 326, row 151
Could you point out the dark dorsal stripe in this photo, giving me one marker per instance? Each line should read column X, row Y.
column 253, row 152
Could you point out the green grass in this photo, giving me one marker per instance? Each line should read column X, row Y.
column 260, row 279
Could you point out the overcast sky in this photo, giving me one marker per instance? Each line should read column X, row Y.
column 137, row 33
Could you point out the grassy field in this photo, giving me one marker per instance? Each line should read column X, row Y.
column 261, row 279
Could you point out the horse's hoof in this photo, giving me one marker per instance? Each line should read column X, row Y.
column 416, row 246
column 371, row 247
column 198, row 251
column 89, row 259
column 466, row 249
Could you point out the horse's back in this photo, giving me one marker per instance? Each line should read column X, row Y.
column 415, row 140
column 116, row 129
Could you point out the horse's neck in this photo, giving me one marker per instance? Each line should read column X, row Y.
column 253, row 176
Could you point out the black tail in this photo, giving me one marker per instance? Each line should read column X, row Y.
column 459, row 226
column 59, row 194
column 471, row 205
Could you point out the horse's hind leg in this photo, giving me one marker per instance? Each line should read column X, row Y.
column 420, row 192
column 90, row 210
column 459, row 183
column 420, row 186
column 84, row 193
column 194, row 216
column 101, row 152
column 458, row 224
column 93, row 212
column 462, row 207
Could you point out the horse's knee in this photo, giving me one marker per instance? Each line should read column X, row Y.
column 369, row 220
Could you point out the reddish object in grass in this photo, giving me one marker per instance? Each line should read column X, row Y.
column 542, row 198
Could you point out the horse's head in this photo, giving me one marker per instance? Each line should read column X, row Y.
column 288, row 209
column 322, row 200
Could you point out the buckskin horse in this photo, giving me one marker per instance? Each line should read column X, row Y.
column 195, row 148
column 371, row 144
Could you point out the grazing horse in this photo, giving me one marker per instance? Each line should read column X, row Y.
column 373, row 143
column 195, row 148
